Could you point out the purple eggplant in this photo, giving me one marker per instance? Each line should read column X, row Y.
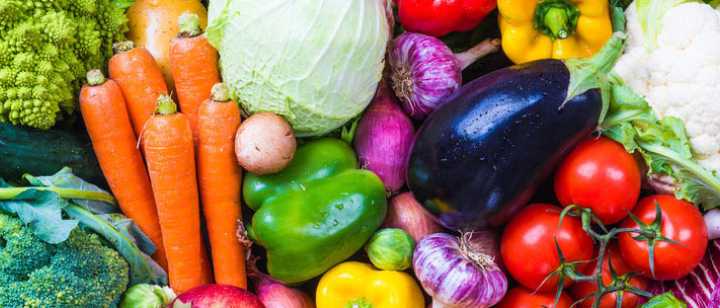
column 481, row 156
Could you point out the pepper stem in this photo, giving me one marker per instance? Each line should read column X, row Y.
column 189, row 24
column 220, row 93
column 165, row 105
column 358, row 303
column 556, row 18
column 95, row 77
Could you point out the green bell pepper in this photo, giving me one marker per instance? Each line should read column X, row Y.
column 315, row 213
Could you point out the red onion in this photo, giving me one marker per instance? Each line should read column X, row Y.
column 406, row 213
column 383, row 139
column 274, row 294
column 460, row 272
column 216, row 295
column 425, row 70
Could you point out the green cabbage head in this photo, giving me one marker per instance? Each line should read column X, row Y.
column 315, row 62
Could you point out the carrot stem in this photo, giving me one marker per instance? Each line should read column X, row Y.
column 166, row 105
column 220, row 93
column 95, row 77
column 123, row 46
column 189, row 25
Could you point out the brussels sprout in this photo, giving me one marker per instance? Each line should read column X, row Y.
column 391, row 249
column 147, row 296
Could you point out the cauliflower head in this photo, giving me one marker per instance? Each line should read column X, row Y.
column 79, row 272
column 672, row 59
column 46, row 47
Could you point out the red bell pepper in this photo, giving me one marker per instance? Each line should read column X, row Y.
column 440, row 17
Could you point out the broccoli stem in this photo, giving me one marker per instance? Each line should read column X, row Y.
column 9, row 193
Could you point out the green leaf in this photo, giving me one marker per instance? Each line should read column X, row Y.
column 130, row 230
column 66, row 179
column 664, row 145
column 617, row 11
column 623, row 133
column 123, row 4
column 665, row 300
column 42, row 212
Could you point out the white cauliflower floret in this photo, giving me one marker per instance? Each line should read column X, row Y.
column 677, row 70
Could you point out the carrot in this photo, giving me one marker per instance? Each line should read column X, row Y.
column 220, row 177
column 194, row 67
column 140, row 79
column 103, row 108
column 169, row 152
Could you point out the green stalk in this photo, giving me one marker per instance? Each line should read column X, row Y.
column 166, row 105
column 358, row 303
column 9, row 193
column 592, row 73
column 556, row 18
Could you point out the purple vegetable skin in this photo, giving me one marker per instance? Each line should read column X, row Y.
column 701, row 288
column 460, row 272
column 383, row 140
column 425, row 71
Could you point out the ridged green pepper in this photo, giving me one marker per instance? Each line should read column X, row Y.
column 315, row 213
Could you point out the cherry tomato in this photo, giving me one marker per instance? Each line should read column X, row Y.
column 528, row 246
column 581, row 290
column 681, row 222
column 523, row 298
column 600, row 175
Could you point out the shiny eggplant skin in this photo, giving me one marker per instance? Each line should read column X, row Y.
column 481, row 156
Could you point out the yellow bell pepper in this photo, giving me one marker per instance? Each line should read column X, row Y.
column 559, row 29
column 359, row 285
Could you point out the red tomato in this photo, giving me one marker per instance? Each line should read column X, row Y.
column 582, row 289
column 523, row 298
column 440, row 17
column 600, row 175
column 681, row 222
column 528, row 245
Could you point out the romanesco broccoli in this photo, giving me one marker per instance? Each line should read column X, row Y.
column 79, row 272
column 46, row 47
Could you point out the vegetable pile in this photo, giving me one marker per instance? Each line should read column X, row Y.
column 359, row 153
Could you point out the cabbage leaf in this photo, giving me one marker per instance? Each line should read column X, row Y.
column 316, row 63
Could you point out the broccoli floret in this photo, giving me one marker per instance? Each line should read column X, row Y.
column 79, row 272
column 46, row 47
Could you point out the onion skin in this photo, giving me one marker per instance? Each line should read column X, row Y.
column 383, row 139
column 425, row 71
column 457, row 276
column 276, row 295
column 712, row 222
column 406, row 213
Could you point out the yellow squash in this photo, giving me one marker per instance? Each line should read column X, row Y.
column 560, row 29
column 359, row 285
column 153, row 23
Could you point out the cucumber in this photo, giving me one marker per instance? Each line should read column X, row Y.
column 45, row 152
